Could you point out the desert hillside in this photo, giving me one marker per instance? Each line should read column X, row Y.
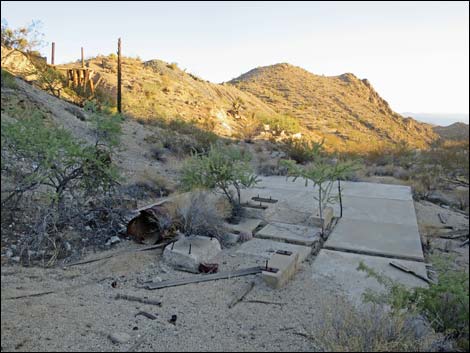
column 345, row 110
column 456, row 131
column 155, row 90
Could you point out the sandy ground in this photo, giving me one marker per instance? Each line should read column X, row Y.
column 81, row 315
column 83, row 311
column 81, row 319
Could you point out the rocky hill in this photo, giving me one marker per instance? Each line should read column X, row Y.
column 343, row 109
column 456, row 131
column 158, row 90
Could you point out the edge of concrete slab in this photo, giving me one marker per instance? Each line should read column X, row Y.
column 373, row 253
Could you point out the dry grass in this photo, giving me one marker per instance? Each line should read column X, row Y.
column 345, row 328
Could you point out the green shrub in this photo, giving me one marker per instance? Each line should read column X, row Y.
column 278, row 123
column 341, row 327
column 221, row 168
column 60, row 175
column 445, row 304
column 323, row 176
column 50, row 79
column 301, row 150
column 8, row 80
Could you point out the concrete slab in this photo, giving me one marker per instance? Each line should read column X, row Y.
column 382, row 239
column 290, row 233
column 246, row 225
column 189, row 252
column 287, row 266
column 265, row 249
column 377, row 191
column 339, row 271
column 379, row 210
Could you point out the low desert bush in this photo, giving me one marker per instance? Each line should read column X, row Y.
column 344, row 328
column 203, row 214
column 223, row 168
column 444, row 304
column 60, row 179
column 301, row 150
column 278, row 123
column 250, row 128
column 8, row 80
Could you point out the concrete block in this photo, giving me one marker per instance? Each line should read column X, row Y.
column 203, row 249
column 316, row 220
column 290, row 233
column 265, row 249
column 287, row 266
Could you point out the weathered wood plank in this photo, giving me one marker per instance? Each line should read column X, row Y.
column 204, row 278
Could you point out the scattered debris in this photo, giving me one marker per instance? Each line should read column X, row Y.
column 173, row 319
column 146, row 314
column 242, row 294
column 139, row 341
column 153, row 223
column 410, row 271
column 208, row 268
column 204, row 278
column 443, row 218
column 119, row 337
column 263, row 199
column 138, row 299
column 461, row 233
column 57, row 290
column 114, row 284
column 263, row 302
column 158, row 246
column 113, row 240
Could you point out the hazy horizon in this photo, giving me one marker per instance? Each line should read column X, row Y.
column 442, row 119
column 416, row 55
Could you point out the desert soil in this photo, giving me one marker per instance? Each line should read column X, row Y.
column 83, row 312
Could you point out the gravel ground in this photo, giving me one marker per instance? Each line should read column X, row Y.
column 81, row 319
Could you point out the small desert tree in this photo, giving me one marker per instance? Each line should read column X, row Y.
column 66, row 174
column 323, row 176
column 221, row 168
column 26, row 38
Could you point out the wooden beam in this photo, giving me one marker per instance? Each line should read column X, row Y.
column 119, row 73
column 204, row 278
column 75, row 77
column 92, row 85
column 53, row 53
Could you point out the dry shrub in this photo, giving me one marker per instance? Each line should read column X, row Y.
column 268, row 166
column 203, row 213
column 345, row 328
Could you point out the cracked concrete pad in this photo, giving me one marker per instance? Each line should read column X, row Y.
column 290, row 233
column 338, row 270
column 380, row 210
column 265, row 249
column 382, row 239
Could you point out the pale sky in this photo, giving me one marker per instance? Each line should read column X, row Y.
column 416, row 54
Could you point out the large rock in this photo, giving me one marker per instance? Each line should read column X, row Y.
column 189, row 252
